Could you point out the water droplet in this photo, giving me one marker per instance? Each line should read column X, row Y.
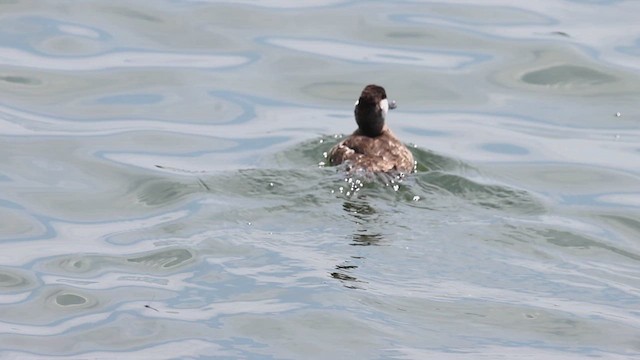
column 396, row 187
column 321, row 164
column 271, row 184
column 348, row 193
column 618, row 114
column 321, row 141
column 324, row 154
column 416, row 198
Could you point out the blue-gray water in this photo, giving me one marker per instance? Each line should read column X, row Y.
column 161, row 193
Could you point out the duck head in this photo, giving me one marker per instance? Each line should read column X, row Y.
column 371, row 110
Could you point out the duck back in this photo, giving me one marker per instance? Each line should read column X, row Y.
column 383, row 153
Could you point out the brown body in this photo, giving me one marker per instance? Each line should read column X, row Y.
column 383, row 153
column 372, row 147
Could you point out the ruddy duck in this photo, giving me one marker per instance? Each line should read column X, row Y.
column 372, row 147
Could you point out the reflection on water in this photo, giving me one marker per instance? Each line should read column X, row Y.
column 365, row 217
column 161, row 194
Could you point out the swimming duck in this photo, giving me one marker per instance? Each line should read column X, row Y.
column 372, row 147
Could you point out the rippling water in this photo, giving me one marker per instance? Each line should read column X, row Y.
column 162, row 193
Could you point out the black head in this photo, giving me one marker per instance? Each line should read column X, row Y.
column 371, row 110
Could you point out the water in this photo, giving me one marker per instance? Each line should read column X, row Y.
column 161, row 194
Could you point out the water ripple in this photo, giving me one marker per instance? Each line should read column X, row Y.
column 120, row 60
column 569, row 24
column 66, row 235
column 175, row 282
column 279, row 4
column 453, row 60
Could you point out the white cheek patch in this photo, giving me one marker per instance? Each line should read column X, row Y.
column 384, row 105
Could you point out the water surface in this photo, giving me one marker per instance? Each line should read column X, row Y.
column 162, row 193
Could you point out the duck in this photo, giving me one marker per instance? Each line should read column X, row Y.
column 372, row 147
